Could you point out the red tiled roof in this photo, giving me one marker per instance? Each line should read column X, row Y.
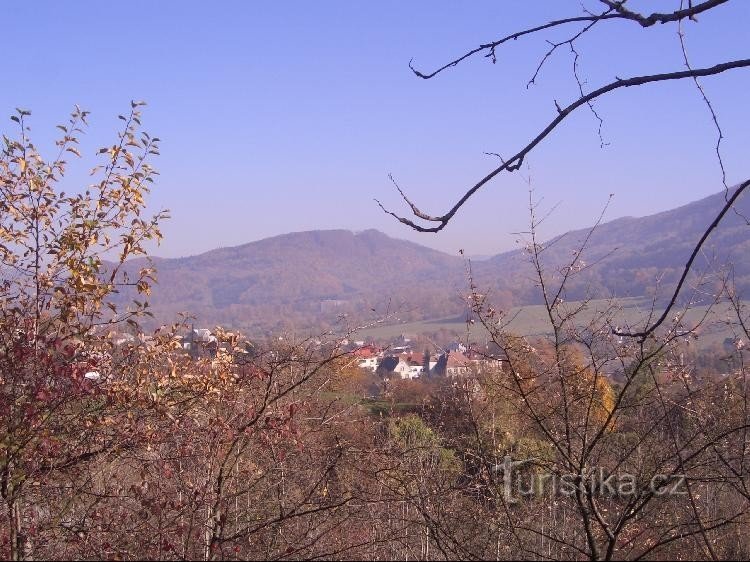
column 456, row 359
column 365, row 352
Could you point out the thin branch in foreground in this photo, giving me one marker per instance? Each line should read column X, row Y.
column 516, row 161
column 616, row 11
column 709, row 105
column 686, row 269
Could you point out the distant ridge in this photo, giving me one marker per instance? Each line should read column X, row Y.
column 307, row 279
column 293, row 280
column 627, row 255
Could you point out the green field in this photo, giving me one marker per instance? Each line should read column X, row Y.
column 533, row 321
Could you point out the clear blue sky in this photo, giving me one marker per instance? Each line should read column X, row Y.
column 285, row 116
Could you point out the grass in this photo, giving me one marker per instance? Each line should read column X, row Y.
column 532, row 321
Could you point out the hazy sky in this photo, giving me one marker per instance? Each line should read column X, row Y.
column 285, row 116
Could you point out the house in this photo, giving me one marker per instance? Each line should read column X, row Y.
column 331, row 305
column 484, row 362
column 121, row 339
column 403, row 369
column 396, row 367
column 367, row 357
column 369, row 363
column 457, row 364
column 201, row 343
column 452, row 364
column 415, row 370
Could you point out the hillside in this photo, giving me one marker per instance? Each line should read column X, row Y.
column 307, row 279
column 626, row 256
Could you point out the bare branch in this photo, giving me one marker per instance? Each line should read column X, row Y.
column 688, row 265
column 494, row 44
column 515, row 162
column 656, row 17
column 620, row 13
column 709, row 106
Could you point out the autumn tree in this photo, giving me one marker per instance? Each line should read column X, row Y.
column 60, row 256
column 120, row 443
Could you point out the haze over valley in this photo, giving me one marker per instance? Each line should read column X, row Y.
column 308, row 280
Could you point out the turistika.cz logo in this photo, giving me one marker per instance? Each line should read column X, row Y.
column 520, row 483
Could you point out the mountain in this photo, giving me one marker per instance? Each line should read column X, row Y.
column 307, row 279
column 626, row 257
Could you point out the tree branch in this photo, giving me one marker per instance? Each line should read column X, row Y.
column 515, row 162
column 616, row 11
column 688, row 265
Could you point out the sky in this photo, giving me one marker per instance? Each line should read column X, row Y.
column 283, row 116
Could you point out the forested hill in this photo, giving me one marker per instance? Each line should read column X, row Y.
column 308, row 279
column 625, row 257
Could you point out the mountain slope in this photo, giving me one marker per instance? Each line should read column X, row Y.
column 302, row 279
column 625, row 257
column 307, row 279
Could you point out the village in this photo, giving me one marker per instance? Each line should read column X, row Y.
column 405, row 357
column 402, row 359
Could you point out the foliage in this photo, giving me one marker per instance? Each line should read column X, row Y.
column 55, row 315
